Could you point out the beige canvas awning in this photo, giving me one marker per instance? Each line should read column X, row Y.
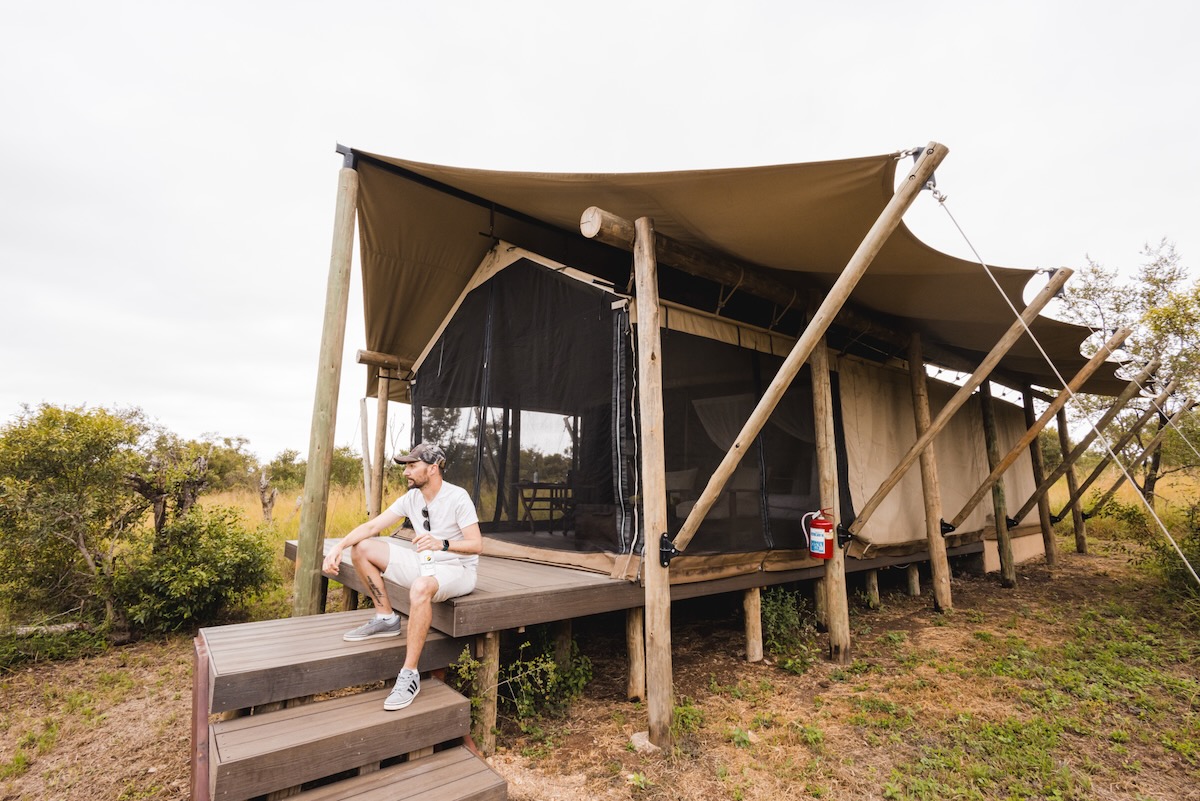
column 424, row 229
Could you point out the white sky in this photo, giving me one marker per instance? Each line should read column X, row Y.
column 167, row 170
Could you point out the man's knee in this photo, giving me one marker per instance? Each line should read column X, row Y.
column 423, row 590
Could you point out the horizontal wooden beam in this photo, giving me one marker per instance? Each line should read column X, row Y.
column 376, row 359
column 604, row 226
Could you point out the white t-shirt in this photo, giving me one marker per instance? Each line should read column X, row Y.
column 450, row 512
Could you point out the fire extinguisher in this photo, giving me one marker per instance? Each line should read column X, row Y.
column 819, row 531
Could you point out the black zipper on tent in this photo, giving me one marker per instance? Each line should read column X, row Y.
column 763, row 506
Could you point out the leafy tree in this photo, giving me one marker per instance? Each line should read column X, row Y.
column 286, row 470
column 230, row 465
column 66, row 510
column 346, row 469
column 1161, row 303
column 171, row 478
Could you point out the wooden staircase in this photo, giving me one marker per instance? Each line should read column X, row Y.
column 259, row 732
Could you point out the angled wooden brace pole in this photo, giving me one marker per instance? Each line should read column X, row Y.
column 1078, row 381
column 925, row 439
column 887, row 222
column 1116, row 447
column 1131, row 389
column 931, row 486
column 1162, row 432
column 315, row 505
column 1038, row 462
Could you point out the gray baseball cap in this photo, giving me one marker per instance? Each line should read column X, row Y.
column 425, row 452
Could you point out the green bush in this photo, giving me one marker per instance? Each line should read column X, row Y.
column 210, row 563
column 788, row 630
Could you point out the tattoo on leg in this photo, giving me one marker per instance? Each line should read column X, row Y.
column 375, row 593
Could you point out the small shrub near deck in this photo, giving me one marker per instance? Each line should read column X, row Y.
column 211, row 563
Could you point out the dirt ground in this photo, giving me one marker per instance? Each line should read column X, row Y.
column 117, row 726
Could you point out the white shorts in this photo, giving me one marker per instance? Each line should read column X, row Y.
column 453, row 579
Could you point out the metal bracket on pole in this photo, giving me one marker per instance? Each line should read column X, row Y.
column 947, row 529
column 1011, row 522
column 349, row 159
column 666, row 550
column 1056, row 519
column 843, row 536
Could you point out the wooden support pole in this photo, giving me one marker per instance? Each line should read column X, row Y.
column 831, row 590
column 1014, row 333
column 913, row 573
column 365, row 429
column 883, row 227
column 381, row 419
column 873, row 589
column 820, row 605
column 1044, row 483
column 635, row 646
column 752, row 610
column 314, row 508
column 660, row 691
column 1059, row 402
column 1049, row 544
column 1116, row 447
column 1008, row 568
column 563, row 642
column 1146, row 451
column 931, row 485
column 1078, row 524
column 487, row 683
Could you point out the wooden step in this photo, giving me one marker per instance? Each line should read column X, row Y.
column 277, row 660
column 452, row 775
column 250, row 756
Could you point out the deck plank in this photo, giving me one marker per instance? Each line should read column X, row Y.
column 263, row 753
column 257, row 663
column 451, row 775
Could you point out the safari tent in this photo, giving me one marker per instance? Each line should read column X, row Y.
column 509, row 330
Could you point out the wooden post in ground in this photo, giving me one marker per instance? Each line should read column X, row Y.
column 1015, row 332
column 315, row 506
column 820, row 607
column 1008, row 568
column 660, row 690
column 563, row 641
column 1072, row 387
column 1078, row 524
column 931, row 485
column 913, row 573
column 831, row 590
column 873, row 589
column 1049, row 544
column 635, row 646
column 752, row 610
column 486, row 686
column 838, row 294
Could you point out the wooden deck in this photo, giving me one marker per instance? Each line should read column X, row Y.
column 276, row 660
column 512, row 593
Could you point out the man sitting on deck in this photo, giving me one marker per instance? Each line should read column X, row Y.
column 448, row 527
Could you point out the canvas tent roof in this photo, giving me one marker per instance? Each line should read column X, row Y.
column 424, row 229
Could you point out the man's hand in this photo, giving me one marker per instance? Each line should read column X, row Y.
column 427, row 542
column 333, row 561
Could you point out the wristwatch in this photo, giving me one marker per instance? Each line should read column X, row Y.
column 445, row 545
